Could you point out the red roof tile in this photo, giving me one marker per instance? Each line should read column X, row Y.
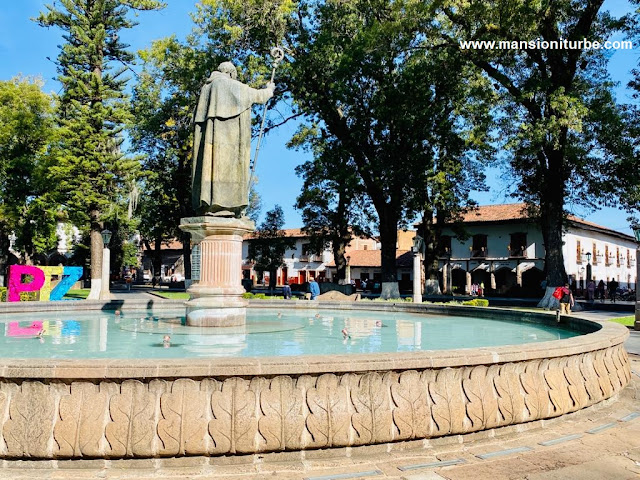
column 373, row 258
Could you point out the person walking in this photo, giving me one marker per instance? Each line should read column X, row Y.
column 600, row 290
column 612, row 286
column 566, row 301
column 591, row 289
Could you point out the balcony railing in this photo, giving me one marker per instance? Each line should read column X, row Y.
column 518, row 252
column 479, row 253
column 310, row 257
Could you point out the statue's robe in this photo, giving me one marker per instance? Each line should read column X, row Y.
column 222, row 144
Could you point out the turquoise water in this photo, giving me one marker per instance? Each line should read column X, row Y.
column 267, row 333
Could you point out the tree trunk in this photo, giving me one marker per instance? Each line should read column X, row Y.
column 97, row 247
column 551, row 221
column 389, row 240
column 273, row 279
column 338, row 248
column 430, row 233
column 157, row 257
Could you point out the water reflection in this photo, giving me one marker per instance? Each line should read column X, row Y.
column 266, row 333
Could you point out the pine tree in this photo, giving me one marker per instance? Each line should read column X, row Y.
column 91, row 170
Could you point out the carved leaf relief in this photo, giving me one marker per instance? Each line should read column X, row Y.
column 411, row 415
column 3, row 403
column 372, row 419
column 183, row 427
column 576, row 384
column 558, row 388
column 510, row 395
column 234, row 424
column 482, row 408
column 29, row 428
column 282, row 422
column 535, row 387
column 448, row 407
column 329, row 419
column 603, row 374
column 132, row 427
column 591, row 381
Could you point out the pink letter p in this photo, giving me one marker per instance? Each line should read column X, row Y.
column 15, row 281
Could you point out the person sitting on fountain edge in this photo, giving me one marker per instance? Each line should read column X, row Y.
column 314, row 289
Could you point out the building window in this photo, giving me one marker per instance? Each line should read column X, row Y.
column 518, row 245
column 578, row 252
column 607, row 261
column 628, row 259
column 479, row 246
column 594, row 253
column 444, row 245
column 617, row 256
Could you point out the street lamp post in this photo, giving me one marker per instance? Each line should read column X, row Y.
column 347, row 275
column 417, row 277
column 636, row 323
column 105, row 294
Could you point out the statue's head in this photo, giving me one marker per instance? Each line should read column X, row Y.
column 228, row 68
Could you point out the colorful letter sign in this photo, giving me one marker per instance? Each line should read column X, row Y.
column 41, row 281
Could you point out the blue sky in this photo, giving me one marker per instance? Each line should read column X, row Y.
column 24, row 48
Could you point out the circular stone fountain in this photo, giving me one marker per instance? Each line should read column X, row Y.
column 123, row 408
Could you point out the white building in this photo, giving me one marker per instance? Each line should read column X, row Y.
column 505, row 252
column 301, row 264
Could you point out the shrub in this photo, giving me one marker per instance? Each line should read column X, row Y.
column 24, row 296
column 477, row 302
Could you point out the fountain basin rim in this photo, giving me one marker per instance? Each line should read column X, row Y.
column 603, row 335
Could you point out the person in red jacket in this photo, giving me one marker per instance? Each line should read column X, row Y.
column 566, row 301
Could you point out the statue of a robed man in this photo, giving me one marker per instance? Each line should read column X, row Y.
column 222, row 143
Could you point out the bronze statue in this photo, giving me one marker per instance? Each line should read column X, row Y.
column 222, row 143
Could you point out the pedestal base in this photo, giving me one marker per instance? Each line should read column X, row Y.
column 216, row 300
column 200, row 314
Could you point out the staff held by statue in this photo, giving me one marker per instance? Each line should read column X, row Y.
column 277, row 55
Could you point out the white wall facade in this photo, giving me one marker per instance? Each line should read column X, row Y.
column 612, row 256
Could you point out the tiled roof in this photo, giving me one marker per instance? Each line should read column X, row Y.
column 288, row 232
column 373, row 258
column 170, row 245
column 496, row 213
column 517, row 211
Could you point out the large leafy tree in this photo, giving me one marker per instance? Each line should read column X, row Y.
column 91, row 170
column 364, row 69
column 563, row 131
column 26, row 132
column 269, row 244
column 333, row 202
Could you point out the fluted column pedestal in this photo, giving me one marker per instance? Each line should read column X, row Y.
column 216, row 300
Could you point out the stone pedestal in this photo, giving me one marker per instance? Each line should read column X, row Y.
column 216, row 300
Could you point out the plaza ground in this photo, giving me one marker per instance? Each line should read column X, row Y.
column 599, row 442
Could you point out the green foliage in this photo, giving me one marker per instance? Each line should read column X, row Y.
column 90, row 173
column 477, row 302
column 332, row 200
column 566, row 139
column 26, row 131
column 24, row 296
column 366, row 72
